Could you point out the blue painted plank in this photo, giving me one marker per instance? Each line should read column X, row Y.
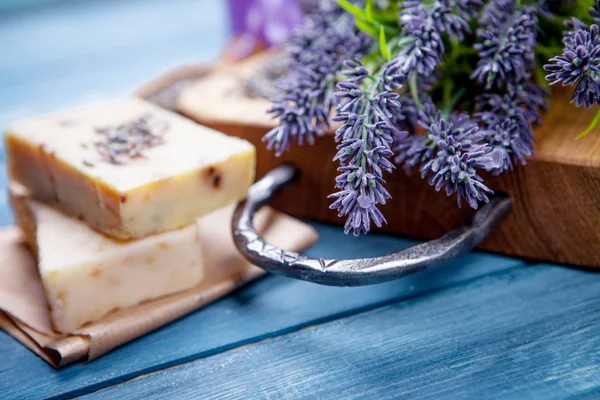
column 63, row 55
column 524, row 333
column 68, row 34
column 74, row 53
column 268, row 308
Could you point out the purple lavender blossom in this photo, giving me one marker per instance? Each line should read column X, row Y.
column 507, row 43
column 269, row 22
column 424, row 53
column 444, row 16
column 493, row 108
column 574, row 24
column 377, row 112
column 595, row 12
column 423, row 26
column 449, row 153
column 507, row 46
column 408, row 117
column 454, row 166
column 507, row 145
column 507, row 123
column 416, row 149
column 465, row 8
column 317, row 53
column 413, row 150
column 296, row 122
column 364, row 150
column 394, row 74
column 579, row 65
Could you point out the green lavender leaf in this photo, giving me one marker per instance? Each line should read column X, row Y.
column 451, row 104
column 353, row 9
column 412, row 85
column 385, row 51
column 592, row 125
column 367, row 27
column 369, row 10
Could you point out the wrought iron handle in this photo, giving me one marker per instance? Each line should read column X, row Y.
column 357, row 272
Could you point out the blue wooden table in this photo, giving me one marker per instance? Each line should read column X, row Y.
column 483, row 326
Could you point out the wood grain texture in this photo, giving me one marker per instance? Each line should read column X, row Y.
column 268, row 308
column 556, row 212
column 488, row 339
column 62, row 56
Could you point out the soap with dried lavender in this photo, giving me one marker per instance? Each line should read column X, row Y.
column 127, row 167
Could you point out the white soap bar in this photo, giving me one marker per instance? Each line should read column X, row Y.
column 127, row 167
column 86, row 275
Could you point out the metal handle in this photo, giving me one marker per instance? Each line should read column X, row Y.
column 357, row 272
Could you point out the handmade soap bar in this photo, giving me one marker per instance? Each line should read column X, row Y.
column 129, row 168
column 86, row 274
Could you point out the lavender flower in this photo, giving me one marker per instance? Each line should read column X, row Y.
column 465, row 8
column 440, row 16
column 454, row 167
column 507, row 46
column 408, row 117
column 262, row 21
column 415, row 149
column 579, row 65
column 364, row 151
column 507, row 123
column 377, row 111
column 423, row 26
column 574, row 24
column 317, row 52
column 493, row 108
column 298, row 120
column 595, row 12
column 425, row 50
column 507, row 145
column 507, row 43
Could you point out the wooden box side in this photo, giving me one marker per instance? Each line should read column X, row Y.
column 556, row 197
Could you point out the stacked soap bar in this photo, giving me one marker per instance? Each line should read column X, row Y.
column 87, row 274
column 108, row 197
column 129, row 168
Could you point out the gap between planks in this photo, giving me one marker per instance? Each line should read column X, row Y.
column 284, row 332
column 495, row 356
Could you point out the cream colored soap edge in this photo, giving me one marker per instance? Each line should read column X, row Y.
column 167, row 203
column 82, row 289
column 189, row 196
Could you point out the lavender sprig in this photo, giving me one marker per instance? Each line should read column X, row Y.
column 507, row 44
column 415, row 150
column 364, row 149
column 459, row 155
column 377, row 110
column 595, row 12
column 317, row 53
column 579, row 65
column 507, row 123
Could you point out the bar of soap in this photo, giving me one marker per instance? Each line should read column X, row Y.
column 127, row 167
column 86, row 275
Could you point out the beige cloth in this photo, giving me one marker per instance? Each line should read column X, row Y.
column 24, row 311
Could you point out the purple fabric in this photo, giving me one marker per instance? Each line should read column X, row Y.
column 269, row 22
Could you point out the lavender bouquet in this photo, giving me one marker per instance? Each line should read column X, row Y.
column 451, row 87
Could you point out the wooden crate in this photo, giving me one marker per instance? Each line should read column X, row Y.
column 556, row 197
